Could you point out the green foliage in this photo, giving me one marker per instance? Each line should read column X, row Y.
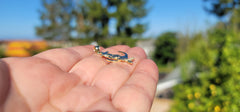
column 126, row 12
column 234, row 21
column 213, row 84
column 118, row 41
column 34, row 51
column 65, row 19
column 166, row 68
column 2, row 54
column 55, row 19
column 165, row 48
column 92, row 19
column 222, row 7
column 83, row 41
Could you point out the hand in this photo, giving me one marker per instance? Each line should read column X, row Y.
column 77, row 79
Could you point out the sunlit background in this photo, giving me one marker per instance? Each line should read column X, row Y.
column 19, row 18
column 195, row 43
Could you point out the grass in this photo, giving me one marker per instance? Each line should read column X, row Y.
column 165, row 68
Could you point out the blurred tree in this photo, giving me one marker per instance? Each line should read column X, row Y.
column 164, row 52
column 2, row 54
column 222, row 8
column 56, row 18
column 183, row 42
column 128, row 14
column 60, row 19
column 211, row 83
column 94, row 17
column 235, row 20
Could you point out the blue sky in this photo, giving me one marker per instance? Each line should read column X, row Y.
column 19, row 17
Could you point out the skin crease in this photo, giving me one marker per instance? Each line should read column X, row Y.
column 77, row 79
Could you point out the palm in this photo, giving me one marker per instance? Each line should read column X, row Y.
column 76, row 79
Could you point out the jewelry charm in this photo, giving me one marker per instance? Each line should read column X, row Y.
column 114, row 57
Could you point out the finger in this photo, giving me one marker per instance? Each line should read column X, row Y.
column 120, row 47
column 137, row 93
column 66, row 58
column 78, row 98
column 89, row 49
column 112, row 76
column 33, row 83
column 103, row 105
column 4, row 81
column 87, row 68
